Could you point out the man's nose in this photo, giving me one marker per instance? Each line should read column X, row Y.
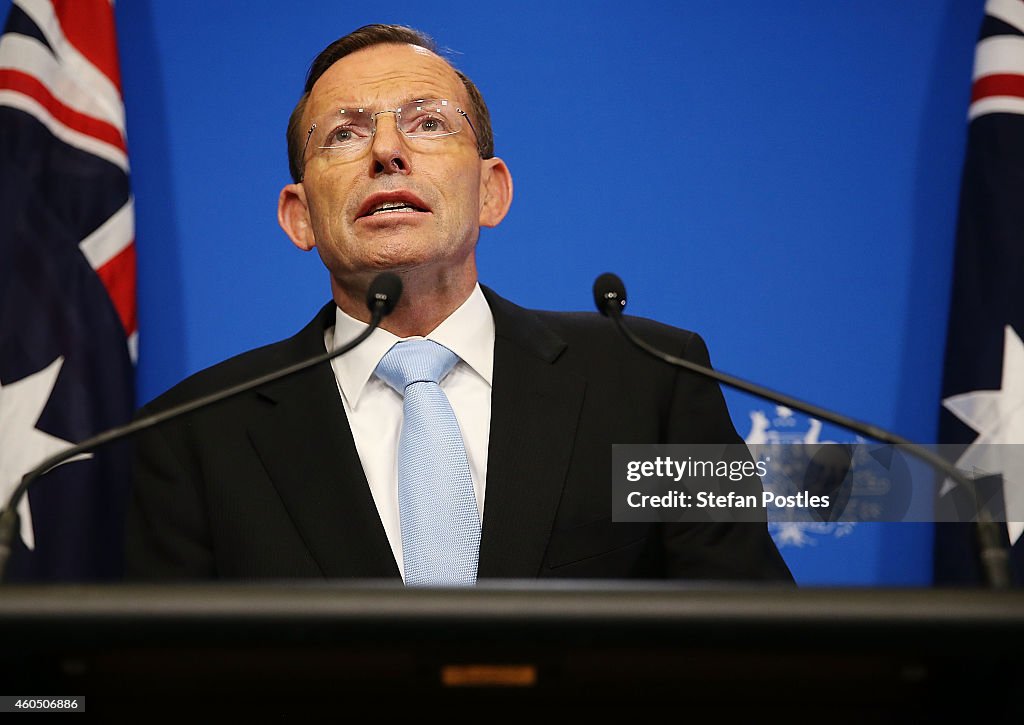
column 389, row 153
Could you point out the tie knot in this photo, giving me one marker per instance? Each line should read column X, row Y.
column 415, row 361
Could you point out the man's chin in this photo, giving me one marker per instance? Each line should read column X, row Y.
column 400, row 264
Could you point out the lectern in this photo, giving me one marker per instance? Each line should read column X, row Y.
column 341, row 649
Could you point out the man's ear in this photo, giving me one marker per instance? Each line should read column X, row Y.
column 293, row 216
column 495, row 191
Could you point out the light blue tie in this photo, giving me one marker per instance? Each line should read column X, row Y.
column 436, row 503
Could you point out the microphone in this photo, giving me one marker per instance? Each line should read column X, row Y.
column 610, row 299
column 381, row 298
column 609, row 294
column 384, row 292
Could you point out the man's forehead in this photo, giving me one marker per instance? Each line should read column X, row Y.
column 390, row 73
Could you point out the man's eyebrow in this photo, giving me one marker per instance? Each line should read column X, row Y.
column 352, row 105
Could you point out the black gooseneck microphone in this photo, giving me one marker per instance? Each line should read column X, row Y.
column 610, row 299
column 381, row 298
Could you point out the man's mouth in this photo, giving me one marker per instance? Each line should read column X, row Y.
column 389, row 202
column 393, row 206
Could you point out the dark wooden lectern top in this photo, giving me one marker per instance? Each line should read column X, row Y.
column 731, row 653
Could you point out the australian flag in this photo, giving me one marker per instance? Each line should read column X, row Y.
column 983, row 384
column 67, row 284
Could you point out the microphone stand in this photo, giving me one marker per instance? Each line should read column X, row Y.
column 993, row 554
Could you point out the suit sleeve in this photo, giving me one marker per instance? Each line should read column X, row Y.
column 167, row 536
column 714, row 550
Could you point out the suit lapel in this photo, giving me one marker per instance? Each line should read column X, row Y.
column 535, row 408
column 306, row 446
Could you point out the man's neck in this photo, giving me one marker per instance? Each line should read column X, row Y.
column 426, row 302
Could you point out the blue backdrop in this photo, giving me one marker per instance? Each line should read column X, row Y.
column 782, row 178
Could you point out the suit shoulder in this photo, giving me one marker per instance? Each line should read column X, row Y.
column 249, row 365
column 575, row 326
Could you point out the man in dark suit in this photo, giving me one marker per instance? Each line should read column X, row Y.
column 393, row 165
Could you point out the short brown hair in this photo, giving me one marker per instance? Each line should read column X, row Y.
column 364, row 37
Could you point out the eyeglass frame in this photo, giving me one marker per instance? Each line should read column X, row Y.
column 398, row 116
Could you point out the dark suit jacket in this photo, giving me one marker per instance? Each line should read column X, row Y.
column 269, row 485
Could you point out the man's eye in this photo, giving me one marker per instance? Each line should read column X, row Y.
column 430, row 124
column 340, row 135
column 344, row 135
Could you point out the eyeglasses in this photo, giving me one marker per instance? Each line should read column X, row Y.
column 347, row 131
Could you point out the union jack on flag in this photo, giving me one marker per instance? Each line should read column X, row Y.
column 68, row 329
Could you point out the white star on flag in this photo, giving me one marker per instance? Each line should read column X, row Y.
column 998, row 417
column 22, row 445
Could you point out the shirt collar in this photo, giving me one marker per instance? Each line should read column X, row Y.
column 468, row 332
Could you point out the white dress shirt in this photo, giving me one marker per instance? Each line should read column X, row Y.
column 374, row 409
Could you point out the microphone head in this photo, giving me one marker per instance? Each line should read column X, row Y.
column 384, row 293
column 609, row 294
